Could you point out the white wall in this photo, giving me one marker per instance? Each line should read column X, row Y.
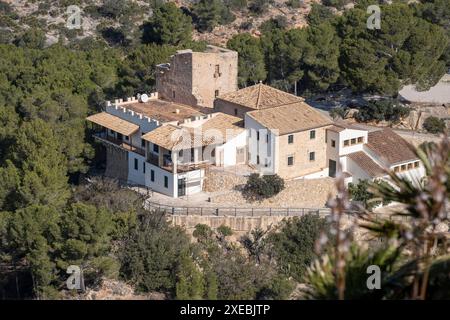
column 229, row 149
column 136, row 176
column 356, row 171
column 415, row 175
column 348, row 134
column 194, row 181
column 144, row 122
column 158, row 184
column 317, row 175
column 266, row 151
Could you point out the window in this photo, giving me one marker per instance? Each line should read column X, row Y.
column 403, row 167
column 312, row 134
column 333, row 143
column 290, row 160
column 213, row 152
column 216, row 93
column 257, row 159
column 136, row 164
column 290, row 138
column 143, row 166
column 180, row 153
column 111, row 132
column 353, row 141
column 346, row 143
column 217, row 71
column 166, row 182
column 396, row 169
column 416, row 164
column 142, row 143
column 257, row 135
column 155, row 148
column 173, row 94
column 312, row 156
column 267, row 138
column 410, row 166
column 152, row 175
column 127, row 138
column 360, row 140
column 235, row 111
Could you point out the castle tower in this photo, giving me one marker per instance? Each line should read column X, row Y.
column 197, row 78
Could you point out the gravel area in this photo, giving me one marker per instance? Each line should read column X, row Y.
column 297, row 193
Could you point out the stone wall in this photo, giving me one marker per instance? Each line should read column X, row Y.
column 174, row 80
column 230, row 108
column 220, row 180
column 300, row 149
column 191, row 78
column 239, row 225
column 420, row 113
column 116, row 163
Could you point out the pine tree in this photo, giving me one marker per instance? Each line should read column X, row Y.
column 169, row 25
column 251, row 59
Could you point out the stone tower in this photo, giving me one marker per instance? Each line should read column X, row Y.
column 197, row 78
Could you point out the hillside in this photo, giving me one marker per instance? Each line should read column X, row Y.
column 99, row 16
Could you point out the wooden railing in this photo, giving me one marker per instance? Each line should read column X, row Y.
column 236, row 211
column 106, row 138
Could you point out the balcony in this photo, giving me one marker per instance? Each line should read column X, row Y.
column 103, row 137
column 167, row 163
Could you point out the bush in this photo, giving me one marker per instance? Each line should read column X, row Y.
column 116, row 8
column 210, row 13
column 338, row 4
column 263, row 186
column 382, row 110
column 294, row 3
column 434, row 125
column 339, row 112
column 259, row 6
column 360, row 192
column 150, row 257
column 293, row 245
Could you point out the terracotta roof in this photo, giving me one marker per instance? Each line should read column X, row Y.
column 336, row 128
column 224, row 122
column 367, row 164
column 290, row 118
column 164, row 111
column 171, row 137
column 390, row 146
column 114, row 123
column 342, row 125
column 260, row 96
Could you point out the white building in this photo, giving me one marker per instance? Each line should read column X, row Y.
column 168, row 146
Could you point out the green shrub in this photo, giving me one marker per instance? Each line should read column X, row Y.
column 434, row 125
column 293, row 244
column 259, row 6
column 338, row 4
column 294, row 3
column 360, row 192
column 263, row 186
column 382, row 110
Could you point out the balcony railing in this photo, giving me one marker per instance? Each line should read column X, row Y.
column 102, row 136
column 181, row 167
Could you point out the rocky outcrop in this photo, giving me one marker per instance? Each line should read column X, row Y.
column 420, row 113
column 112, row 290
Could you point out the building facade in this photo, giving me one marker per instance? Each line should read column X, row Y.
column 197, row 78
column 166, row 142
